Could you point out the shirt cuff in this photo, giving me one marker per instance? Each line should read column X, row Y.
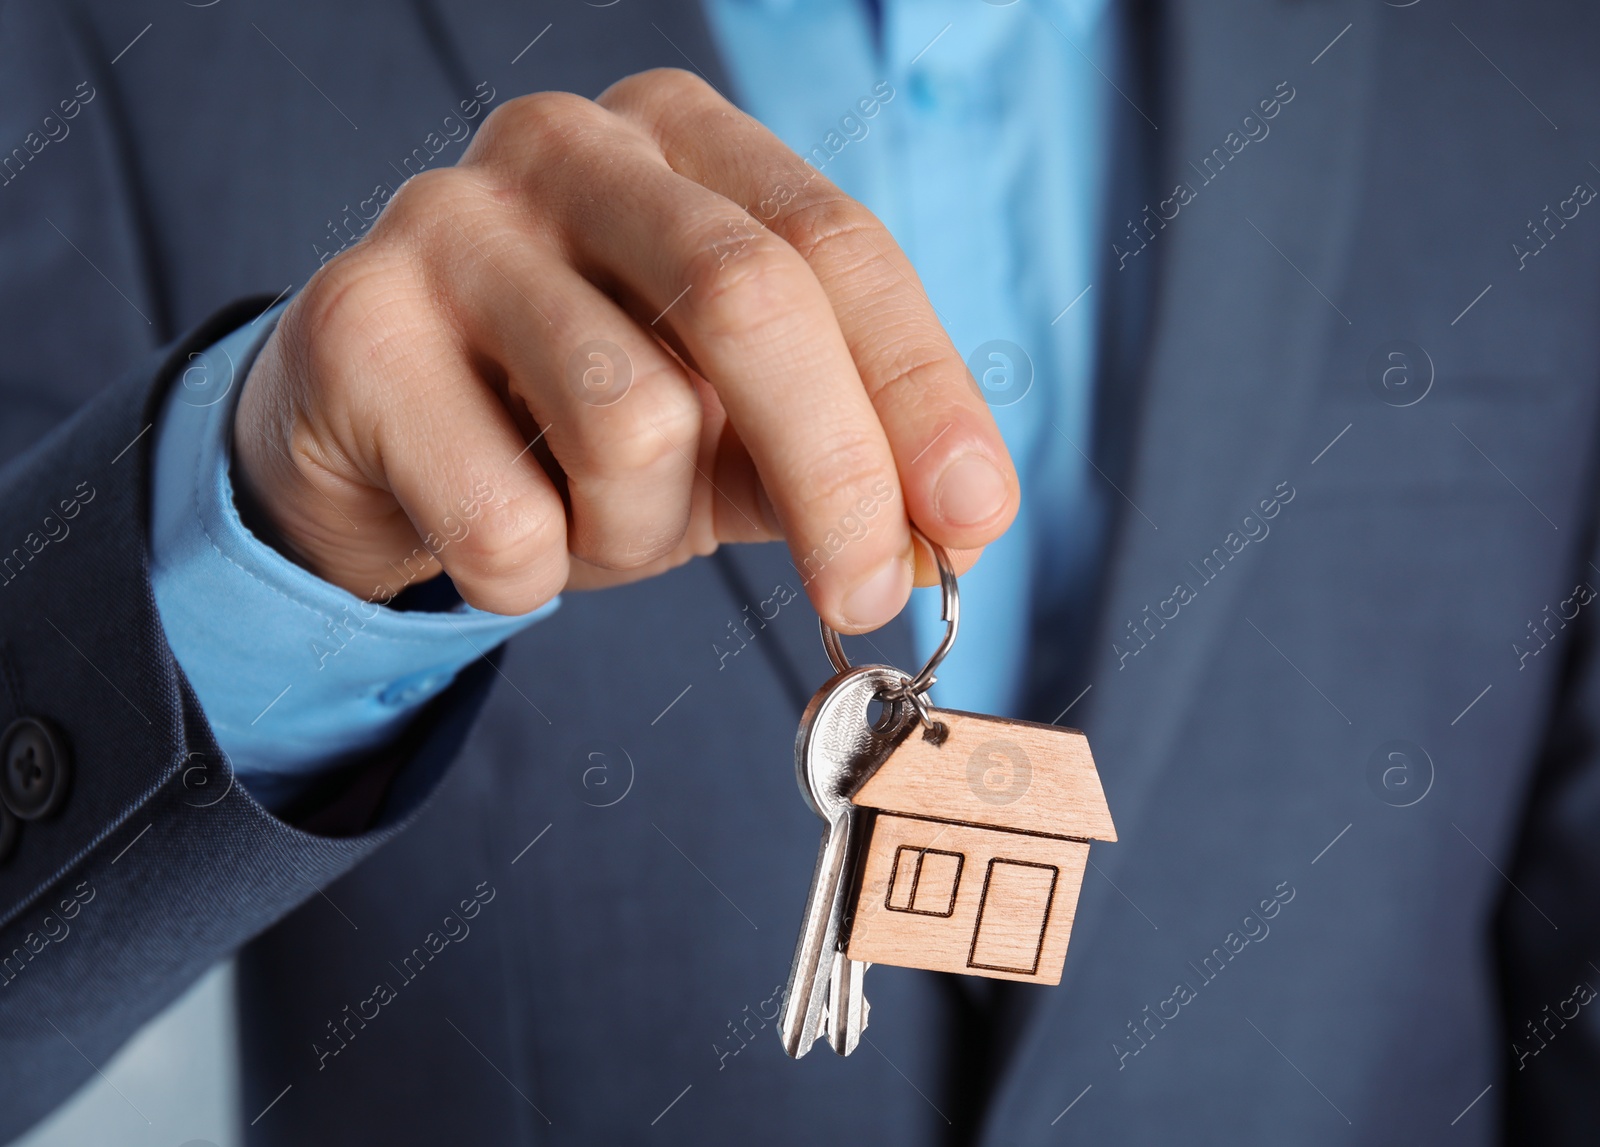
column 295, row 675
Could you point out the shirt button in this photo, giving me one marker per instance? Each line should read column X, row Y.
column 924, row 90
column 940, row 92
column 410, row 690
column 35, row 769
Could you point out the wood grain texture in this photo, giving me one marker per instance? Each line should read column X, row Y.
column 1008, row 915
column 1004, row 774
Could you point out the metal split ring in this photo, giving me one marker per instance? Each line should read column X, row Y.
column 913, row 688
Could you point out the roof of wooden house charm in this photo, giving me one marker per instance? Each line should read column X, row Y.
column 975, row 848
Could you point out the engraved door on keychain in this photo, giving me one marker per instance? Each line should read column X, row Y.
column 956, row 842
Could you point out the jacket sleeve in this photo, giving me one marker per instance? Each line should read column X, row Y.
column 144, row 862
column 141, row 862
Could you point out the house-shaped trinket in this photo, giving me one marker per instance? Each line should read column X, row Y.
column 975, row 848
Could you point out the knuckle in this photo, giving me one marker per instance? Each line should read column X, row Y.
column 541, row 123
column 676, row 81
column 739, row 297
column 841, row 471
column 507, row 542
column 347, row 311
column 656, row 428
column 528, row 591
column 621, row 552
column 908, row 374
column 428, row 198
column 832, row 226
column 656, row 87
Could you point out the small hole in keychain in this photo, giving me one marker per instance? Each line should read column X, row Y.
column 913, row 688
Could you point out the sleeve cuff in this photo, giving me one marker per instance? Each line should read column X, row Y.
column 295, row 675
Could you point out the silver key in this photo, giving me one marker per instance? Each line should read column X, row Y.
column 836, row 750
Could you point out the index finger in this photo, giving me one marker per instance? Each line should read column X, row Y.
column 956, row 475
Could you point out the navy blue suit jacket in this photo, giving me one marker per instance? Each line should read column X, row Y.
column 1323, row 556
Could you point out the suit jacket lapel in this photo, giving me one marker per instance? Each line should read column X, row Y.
column 1249, row 271
column 1246, row 306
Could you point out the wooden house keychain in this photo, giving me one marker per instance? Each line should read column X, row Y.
column 955, row 842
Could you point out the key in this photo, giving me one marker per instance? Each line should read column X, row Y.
column 960, row 850
column 847, row 1006
column 836, row 751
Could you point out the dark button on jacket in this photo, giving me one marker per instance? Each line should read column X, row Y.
column 37, row 770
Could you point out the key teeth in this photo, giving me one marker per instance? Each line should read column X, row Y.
column 866, row 1004
column 850, row 1044
column 804, row 1045
column 846, row 997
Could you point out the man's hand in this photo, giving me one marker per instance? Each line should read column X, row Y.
column 704, row 339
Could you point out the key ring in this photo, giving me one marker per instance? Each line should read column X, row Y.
column 914, row 688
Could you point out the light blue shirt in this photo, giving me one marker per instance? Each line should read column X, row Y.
column 976, row 132
column 984, row 155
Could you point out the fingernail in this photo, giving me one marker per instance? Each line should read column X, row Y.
column 970, row 491
column 875, row 601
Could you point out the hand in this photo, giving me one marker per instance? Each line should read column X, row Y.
column 704, row 339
